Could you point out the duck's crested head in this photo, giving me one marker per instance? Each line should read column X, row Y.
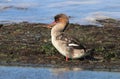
column 61, row 18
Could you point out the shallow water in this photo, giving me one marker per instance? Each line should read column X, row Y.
column 7, row 72
column 81, row 11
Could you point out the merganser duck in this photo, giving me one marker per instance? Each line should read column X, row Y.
column 67, row 46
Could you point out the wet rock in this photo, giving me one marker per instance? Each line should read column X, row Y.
column 109, row 22
column 1, row 25
column 31, row 43
column 53, row 62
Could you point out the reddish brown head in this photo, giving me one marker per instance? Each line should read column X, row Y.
column 59, row 18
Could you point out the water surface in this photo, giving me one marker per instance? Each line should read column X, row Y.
column 81, row 11
column 7, row 72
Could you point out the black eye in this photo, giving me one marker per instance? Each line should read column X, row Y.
column 56, row 20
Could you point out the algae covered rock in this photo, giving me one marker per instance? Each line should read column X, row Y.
column 31, row 42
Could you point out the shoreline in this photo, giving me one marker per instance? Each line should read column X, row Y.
column 30, row 43
column 108, row 67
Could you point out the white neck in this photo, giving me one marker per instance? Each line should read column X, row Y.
column 57, row 29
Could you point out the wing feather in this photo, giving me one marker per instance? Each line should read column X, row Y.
column 70, row 41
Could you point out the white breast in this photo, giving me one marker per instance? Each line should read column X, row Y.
column 61, row 47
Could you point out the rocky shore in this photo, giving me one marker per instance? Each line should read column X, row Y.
column 30, row 43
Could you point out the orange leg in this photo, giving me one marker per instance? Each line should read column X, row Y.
column 66, row 58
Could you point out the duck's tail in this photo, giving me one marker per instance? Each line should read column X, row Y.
column 90, row 55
